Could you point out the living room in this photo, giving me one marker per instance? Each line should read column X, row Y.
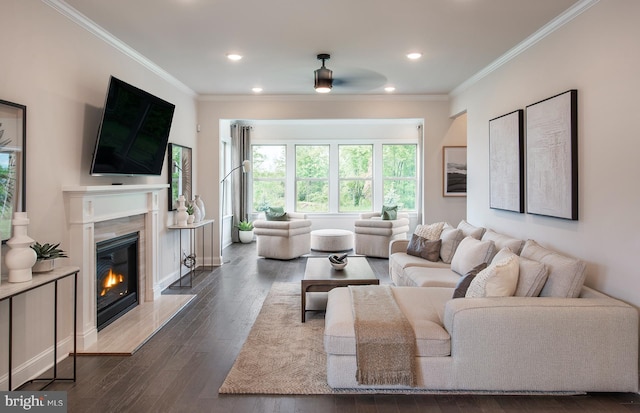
column 60, row 71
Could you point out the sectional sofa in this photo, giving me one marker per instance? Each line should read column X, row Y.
column 553, row 334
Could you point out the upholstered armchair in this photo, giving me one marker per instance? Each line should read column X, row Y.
column 283, row 240
column 373, row 234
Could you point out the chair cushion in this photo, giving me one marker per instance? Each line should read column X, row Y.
column 497, row 280
column 566, row 275
column 470, row 253
column 423, row 248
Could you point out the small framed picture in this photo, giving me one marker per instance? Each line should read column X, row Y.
column 454, row 174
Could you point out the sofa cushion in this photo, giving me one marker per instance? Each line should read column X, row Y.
column 532, row 275
column 423, row 307
column 565, row 275
column 451, row 238
column 431, row 231
column 430, row 277
column 503, row 241
column 471, row 230
column 470, row 253
column 497, row 280
column 463, row 285
column 423, row 248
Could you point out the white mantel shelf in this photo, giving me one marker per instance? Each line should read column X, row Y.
column 112, row 188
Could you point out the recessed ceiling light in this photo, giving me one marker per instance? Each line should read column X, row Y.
column 389, row 89
column 414, row 55
column 234, row 56
column 257, row 89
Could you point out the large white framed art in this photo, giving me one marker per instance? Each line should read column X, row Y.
column 552, row 156
column 506, row 162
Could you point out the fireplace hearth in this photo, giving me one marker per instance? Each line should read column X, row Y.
column 116, row 278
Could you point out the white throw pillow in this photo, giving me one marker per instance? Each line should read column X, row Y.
column 451, row 238
column 497, row 280
column 471, row 230
column 470, row 253
column 431, row 232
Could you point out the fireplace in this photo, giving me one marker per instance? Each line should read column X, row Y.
column 116, row 277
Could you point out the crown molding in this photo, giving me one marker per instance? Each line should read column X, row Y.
column 323, row 98
column 83, row 21
column 564, row 18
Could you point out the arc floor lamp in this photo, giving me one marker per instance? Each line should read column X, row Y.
column 246, row 168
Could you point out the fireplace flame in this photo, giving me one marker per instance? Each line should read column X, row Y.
column 111, row 280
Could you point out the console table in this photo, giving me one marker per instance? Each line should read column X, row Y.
column 192, row 228
column 10, row 290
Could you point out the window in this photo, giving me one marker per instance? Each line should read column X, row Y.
column 312, row 178
column 269, row 176
column 355, row 177
column 399, row 175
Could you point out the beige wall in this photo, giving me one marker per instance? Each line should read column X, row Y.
column 60, row 72
column 597, row 53
column 438, row 131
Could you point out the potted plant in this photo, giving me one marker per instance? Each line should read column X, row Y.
column 191, row 212
column 245, row 231
column 46, row 255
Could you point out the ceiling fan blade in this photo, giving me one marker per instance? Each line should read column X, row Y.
column 361, row 79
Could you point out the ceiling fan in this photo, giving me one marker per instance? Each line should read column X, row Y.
column 360, row 79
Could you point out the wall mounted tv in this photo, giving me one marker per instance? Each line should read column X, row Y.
column 133, row 134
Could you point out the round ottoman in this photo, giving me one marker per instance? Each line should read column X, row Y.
column 331, row 240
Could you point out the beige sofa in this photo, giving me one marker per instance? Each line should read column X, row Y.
column 570, row 338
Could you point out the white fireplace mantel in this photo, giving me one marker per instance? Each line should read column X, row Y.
column 87, row 205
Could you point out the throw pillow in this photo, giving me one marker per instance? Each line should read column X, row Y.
column 431, row 231
column 275, row 214
column 463, row 284
column 470, row 230
column 389, row 212
column 451, row 238
column 497, row 280
column 424, row 248
column 532, row 274
column 502, row 241
column 471, row 253
column 566, row 275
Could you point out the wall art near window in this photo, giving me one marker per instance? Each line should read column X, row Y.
column 179, row 174
column 552, row 156
column 454, row 174
column 13, row 141
column 506, row 162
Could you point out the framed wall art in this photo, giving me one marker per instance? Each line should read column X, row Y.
column 506, row 162
column 13, row 141
column 180, row 174
column 454, row 174
column 552, row 156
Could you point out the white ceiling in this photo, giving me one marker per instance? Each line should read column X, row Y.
column 279, row 39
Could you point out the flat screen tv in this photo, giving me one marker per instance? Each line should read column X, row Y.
column 133, row 134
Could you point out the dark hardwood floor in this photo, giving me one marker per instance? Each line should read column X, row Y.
column 181, row 368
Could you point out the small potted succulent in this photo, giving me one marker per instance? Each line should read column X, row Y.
column 190, row 212
column 245, row 231
column 46, row 255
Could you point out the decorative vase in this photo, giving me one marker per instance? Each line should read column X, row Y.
column 196, row 212
column 200, row 206
column 245, row 236
column 190, row 219
column 20, row 257
column 43, row 266
column 182, row 212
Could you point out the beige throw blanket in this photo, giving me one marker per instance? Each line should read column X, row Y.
column 385, row 341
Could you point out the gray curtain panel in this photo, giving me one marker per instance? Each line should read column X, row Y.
column 240, row 150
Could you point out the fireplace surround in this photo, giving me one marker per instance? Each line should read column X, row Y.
column 95, row 213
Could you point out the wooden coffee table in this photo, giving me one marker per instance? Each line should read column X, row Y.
column 320, row 276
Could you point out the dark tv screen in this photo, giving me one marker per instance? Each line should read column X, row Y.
column 133, row 134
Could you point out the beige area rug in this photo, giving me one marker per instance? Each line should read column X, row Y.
column 281, row 354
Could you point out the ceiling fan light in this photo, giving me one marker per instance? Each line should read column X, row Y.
column 323, row 80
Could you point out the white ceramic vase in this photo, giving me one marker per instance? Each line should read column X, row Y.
column 182, row 215
column 245, row 236
column 20, row 257
column 200, row 204
column 196, row 212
